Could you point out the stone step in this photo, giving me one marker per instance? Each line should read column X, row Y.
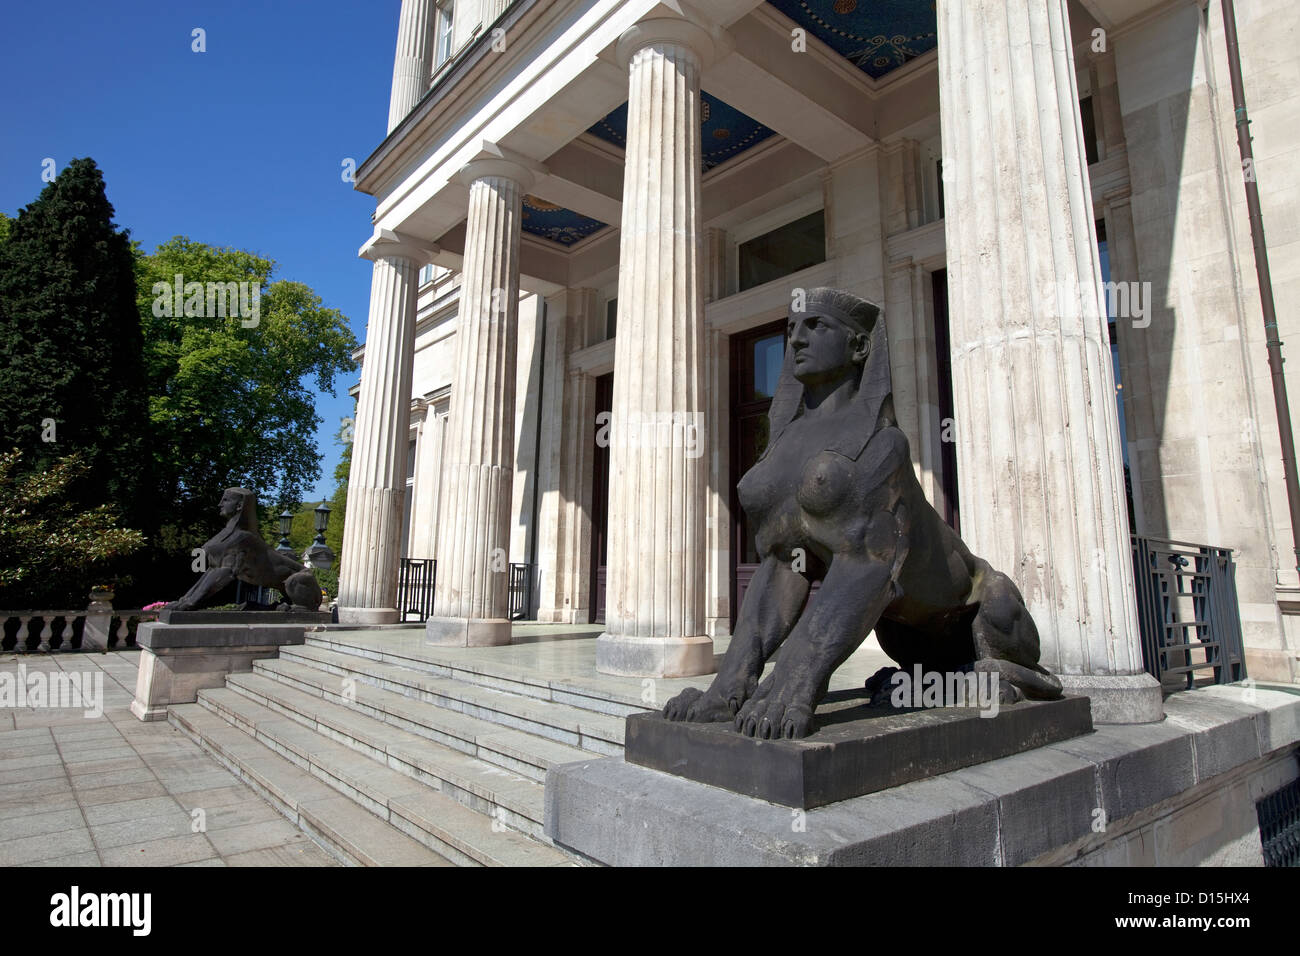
column 355, row 754
column 563, row 723
column 584, row 692
column 517, row 751
column 463, row 809
column 343, row 829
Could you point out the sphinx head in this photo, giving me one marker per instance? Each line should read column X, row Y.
column 242, row 503
column 829, row 339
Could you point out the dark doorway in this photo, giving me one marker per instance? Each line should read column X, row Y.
column 600, row 500
column 756, row 358
column 947, row 506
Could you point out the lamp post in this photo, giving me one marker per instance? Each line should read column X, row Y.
column 319, row 555
column 286, row 525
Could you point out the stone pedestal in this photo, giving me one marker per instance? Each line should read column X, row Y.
column 99, row 620
column 859, row 750
column 372, row 538
column 471, row 598
column 655, row 613
column 1039, row 460
column 1179, row 793
column 179, row 660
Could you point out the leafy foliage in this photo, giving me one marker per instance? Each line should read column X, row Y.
column 45, row 537
column 71, row 349
column 229, row 403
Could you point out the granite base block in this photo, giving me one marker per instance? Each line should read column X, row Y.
column 858, row 750
column 179, row 660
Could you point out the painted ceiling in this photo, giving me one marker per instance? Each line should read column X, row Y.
column 876, row 36
column 549, row 221
column 725, row 131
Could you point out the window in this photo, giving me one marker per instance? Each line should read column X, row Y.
column 442, row 34
column 1089, row 129
column 1103, row 252
column 611, row 317
column 408, row 508
column 426, row 274
column 794, row 246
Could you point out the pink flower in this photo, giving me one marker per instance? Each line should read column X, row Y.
column 156, row 606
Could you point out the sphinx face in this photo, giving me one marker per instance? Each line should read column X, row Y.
column 825, row 349
column 230, row 504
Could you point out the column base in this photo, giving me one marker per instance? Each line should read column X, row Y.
column 467, row 632
column 369, row 616
column 1118, row 698
column 625, row 656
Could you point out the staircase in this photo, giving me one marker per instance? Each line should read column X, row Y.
column 386, row 754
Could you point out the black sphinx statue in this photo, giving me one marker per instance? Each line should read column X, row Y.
column 238, row 552
column 834, row 498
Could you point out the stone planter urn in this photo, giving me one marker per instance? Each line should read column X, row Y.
column 99, row 616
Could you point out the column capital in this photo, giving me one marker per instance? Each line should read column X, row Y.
column 498, row 161
column 390, row 244
column 708, row 42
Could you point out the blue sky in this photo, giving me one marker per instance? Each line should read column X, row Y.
column 241, row 145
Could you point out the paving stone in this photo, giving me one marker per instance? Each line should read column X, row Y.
column 236, row 795
column 175, row 822
column 230, row 841
column 36, row 747
column 24, row 763
column 95, row 781
column 122, row 791
column 169, row 851
column 82, row 768
column 290, row 854
column 32, row 790
column 125, row 810
column 89, row 858
column 15, row 808
column 191, row 782
column 30, row 774
column 47, row 846
column 35, row 824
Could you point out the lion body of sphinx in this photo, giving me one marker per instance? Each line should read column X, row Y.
column 239, row 553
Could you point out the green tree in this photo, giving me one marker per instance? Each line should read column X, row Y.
column 229, row 401
column 49, row 545
column 71, row 349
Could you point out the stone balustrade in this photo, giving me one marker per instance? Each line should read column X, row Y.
column 28, row 631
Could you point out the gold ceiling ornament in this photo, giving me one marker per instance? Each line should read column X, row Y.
column 541, row 205
column 845, row 7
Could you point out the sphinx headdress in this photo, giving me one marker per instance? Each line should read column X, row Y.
column 874, row 401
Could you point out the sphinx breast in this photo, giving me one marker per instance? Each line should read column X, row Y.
column 826, row 484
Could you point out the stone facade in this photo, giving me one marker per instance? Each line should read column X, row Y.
column 1108, row 118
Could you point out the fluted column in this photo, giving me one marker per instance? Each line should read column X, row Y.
column 655, row 614
column 1039, row 463
column 372, row 536
column 471, row 598
column 413, row 63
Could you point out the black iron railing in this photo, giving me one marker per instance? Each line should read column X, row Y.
column 1279, row 825
column 1187, row 610
column 521, row 591
column 415, row 581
